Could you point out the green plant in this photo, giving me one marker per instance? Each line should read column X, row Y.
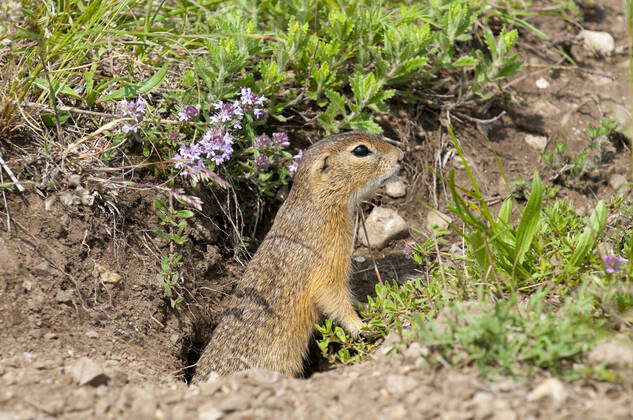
column 174, row 223
column 574, row 170
column 170, row 278
column 511, row 337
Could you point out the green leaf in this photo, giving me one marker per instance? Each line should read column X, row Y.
column 336, row 99
column 50, row 121
column 365, row 125
column 508, row 69
column 185, row 214
column 58, row 87
column 589, row 236
column 465, row 61
column 529, row 223
column 478, row 247
column 132, row 91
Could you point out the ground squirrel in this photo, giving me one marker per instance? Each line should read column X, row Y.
column 301, row 269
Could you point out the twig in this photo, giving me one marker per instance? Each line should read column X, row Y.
column 479, row 121
column 6, row 205
column 113, row 124
column 526, row 75
column 107, row 114
column 11, row 175
column 362, row 218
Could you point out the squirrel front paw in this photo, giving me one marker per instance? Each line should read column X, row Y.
column 355, row 329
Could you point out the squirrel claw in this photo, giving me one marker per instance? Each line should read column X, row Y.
column 369, row 335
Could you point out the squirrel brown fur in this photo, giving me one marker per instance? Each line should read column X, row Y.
column 301, row 268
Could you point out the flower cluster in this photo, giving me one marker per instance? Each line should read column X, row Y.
column 228, row 114
column 266, row 147
column 217, row 144
column 252, row 103
column 277, row 143
column 135, row 109
column 214, row 145
column 189, row 112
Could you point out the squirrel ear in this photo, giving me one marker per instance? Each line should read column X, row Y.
column 324, row 164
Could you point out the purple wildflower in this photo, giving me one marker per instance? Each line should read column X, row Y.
column 262, row 161
column 260, row 114
column 127, row 128
column 281, row 140
column 613, row 263
column 226, row 112
column 189, row 113
column 261, row 142
column 187, row 156
column 133, row 108
column 294, row 166
column 217, row 146
column 249, row 100
column 408, row 248
column 188, row 159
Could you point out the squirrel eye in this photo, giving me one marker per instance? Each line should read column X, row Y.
column 361, row 151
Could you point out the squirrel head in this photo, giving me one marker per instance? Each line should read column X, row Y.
column 346, row 167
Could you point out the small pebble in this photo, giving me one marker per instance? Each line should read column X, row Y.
column 597, row 41
column 395, row 188
column 615, row 353
column 92, row 334
column 383, row 225
column 552, row 388
column 542, row 83
column 536, row 142
column 88, row 372
column 437, row 220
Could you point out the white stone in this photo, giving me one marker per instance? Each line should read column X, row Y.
column 395, row 187
column 536, row 142
column 613, row 353
column 617, row 181
column 601, row 42
column 87, row 371
column 437, row 220
column 621, row 114
column 383, row 225
column 542, row 83
column 552, row 388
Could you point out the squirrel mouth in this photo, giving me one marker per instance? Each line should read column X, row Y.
column 393, row 173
